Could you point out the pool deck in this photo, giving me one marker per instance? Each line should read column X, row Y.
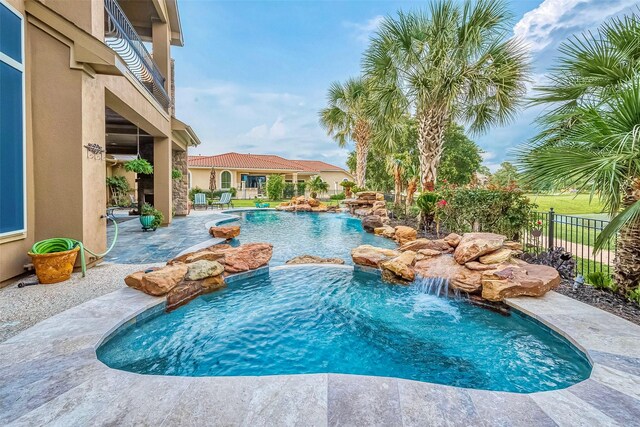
column 50, row 375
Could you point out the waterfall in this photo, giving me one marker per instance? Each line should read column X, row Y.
column 435, row 286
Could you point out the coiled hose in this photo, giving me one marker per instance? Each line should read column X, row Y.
column 61, row 244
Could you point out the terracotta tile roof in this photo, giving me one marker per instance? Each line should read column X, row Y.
column 260, row 161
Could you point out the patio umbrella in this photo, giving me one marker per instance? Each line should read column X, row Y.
column 212, row 180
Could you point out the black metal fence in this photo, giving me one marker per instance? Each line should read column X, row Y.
column 575, row 234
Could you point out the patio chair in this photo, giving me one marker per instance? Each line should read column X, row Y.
column 225, row 199
column 262, row 205
column 200, row 200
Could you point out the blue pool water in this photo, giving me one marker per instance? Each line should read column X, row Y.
column 332, row 320
column 293, row 234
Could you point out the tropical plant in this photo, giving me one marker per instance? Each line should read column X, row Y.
column 141, row 166
column 317, row 185
column 347, row 185
column 427, row 202
column 590, row 136
column 301, row 187
column 275, row 186
column 176, row 174
column 454, row 62
column 347, row 118
column 461, row 157
column 599, row 280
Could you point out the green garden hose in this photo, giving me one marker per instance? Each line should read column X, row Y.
column 61, row 244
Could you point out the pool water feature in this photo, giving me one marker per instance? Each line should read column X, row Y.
column 335, row 320
column 293, row 234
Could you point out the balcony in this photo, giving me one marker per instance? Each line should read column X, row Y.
column 125, row 41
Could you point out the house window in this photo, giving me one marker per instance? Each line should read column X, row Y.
column 225, row 179
column 12, row 132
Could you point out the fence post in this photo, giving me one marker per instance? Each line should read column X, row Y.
column 551, row 229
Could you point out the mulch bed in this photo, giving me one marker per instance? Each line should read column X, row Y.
column 607, row 301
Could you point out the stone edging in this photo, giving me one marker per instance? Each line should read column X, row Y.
column 51, row 375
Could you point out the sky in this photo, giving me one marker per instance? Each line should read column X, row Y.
column 253, row 75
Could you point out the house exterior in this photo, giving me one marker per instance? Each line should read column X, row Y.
column 82, row 81
column 248, row 173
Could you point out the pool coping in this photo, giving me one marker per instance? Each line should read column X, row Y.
column 51, row 374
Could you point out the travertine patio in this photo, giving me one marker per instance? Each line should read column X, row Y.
column 51, row 376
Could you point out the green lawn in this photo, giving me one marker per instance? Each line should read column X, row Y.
column 567, row 204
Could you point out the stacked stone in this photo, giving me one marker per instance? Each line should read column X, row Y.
column 483, row 264
column 304, row 204
column 196, row 273
column 180, row 186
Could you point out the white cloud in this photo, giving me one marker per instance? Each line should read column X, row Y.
column 231, row 117
column 539, row 28
column 364, row 30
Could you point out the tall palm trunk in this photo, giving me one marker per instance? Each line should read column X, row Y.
column 412, row 186
column 431, row 127
column 397, row 184
column 361, row 137
column 627, row 263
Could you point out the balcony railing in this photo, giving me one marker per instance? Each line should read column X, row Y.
column 124, row 40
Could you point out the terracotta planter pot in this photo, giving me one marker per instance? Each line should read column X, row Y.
column 54, row 267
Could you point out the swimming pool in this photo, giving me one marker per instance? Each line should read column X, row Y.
column 293, row 234
column 334, row 320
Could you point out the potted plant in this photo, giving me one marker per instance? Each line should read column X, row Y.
column 315, row 185
column 141, row 166
column 150, row 217
column 348, row 186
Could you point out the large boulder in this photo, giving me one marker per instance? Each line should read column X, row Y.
column 477, row 266
column 519, row 280
column 453, row 239
column 188, row 290
column 312, row 259
column 474, row 245
column 203, row 269
column 405, row 234
column 445, row 267
column 161, row 281
column 204, row 256
column 496, row 257
column 246, row 257
column 313, row 202
column 134, row 280
column 399, row 268
column 362, row 212
column 378, row 204
column 225, row 232
column 304, row 207
column 320, row 208
column 416, row 245
column 371, row 256
column 426, row 253
column 371, row 222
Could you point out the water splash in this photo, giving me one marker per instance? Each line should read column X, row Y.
column 436, row 286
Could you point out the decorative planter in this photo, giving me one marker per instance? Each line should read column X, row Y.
column 147, row 222
column 56, row 266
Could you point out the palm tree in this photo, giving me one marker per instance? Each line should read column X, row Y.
column 455, row 62
column 316, row 184
column 347, row 119
column 590, row 135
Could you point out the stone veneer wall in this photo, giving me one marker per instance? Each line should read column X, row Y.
column 180, row 186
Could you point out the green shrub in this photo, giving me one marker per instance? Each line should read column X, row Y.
column 176, row 174
column 289, row 190
column 339, row 196
column 426, row 203
column 275, row 186
column 502, row 211
column 599, row 280
column 634, row 295
column 302, row 186
column 148, row 210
